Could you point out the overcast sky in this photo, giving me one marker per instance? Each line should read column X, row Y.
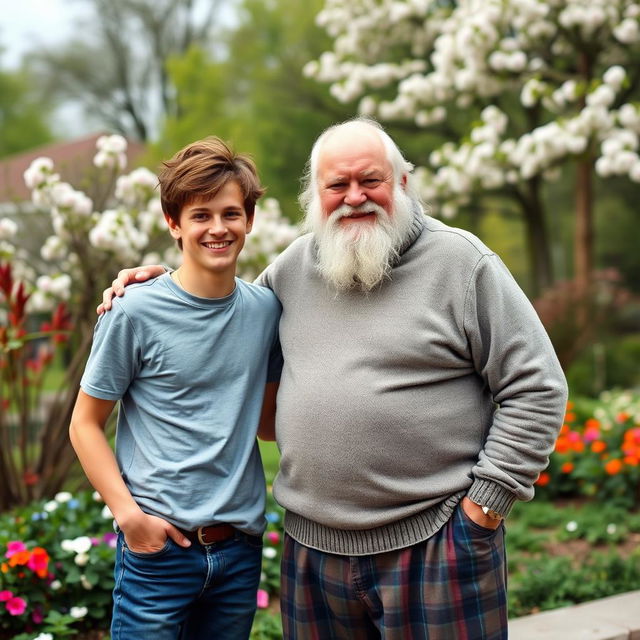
column 24, row 24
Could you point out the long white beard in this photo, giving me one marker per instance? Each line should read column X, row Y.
column 359, row 255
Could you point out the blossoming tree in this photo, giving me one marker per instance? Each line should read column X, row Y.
column 517, row 88
column 93, row 237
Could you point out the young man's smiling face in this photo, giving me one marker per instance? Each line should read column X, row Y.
column 213, row 233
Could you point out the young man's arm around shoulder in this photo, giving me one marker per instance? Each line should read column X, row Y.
column 143, row 533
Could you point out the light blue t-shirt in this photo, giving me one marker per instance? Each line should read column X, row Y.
column 190, row 374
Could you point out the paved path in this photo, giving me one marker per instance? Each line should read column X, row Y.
column 614, row 618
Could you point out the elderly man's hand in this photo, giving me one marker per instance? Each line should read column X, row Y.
column 125, row 277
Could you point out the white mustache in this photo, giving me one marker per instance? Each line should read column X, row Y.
column 346, row 211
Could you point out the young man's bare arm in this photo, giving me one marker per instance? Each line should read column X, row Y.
column 267, row 426
column 143, row 532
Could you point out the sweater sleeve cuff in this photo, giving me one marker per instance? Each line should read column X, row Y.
column 492, row 495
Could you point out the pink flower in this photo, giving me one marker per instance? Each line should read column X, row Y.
column 263, row 599
column 16, row 606
column 14, row 547
column 37, row 616
column 591, row 434
column 5, row 595
column 273, row 537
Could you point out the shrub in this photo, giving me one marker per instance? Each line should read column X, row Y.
column 56, row 568
column 597, row 453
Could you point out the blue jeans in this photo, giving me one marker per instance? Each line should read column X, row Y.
column 197, row 593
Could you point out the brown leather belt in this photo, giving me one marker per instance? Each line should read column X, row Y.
column 210, row 535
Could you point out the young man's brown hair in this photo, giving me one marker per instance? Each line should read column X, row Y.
column 200, row 170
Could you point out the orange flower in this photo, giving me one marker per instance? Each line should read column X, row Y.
column 562, row 445
column 623, row 416
column 567, row 467
column 578, row 446
column 570, row 416
column 598, row 446
column 613, row 467
column 544, row 479
column 564, row 429
column 4, row 567
column 592, row 423
column 632, row 461
column 19, row 558
column 570, row 405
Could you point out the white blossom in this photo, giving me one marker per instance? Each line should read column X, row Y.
column 78, row 612
column 79, row 545
column 8, row 228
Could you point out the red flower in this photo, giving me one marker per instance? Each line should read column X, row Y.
column 60, row 322
column 39, row 562
column 6, row 280
column 17, row 305
column 543, row 480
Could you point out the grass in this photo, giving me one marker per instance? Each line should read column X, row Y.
column 270, row 459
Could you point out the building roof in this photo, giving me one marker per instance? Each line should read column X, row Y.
column 72, row 160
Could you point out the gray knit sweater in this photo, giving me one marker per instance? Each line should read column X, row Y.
column 394, row 404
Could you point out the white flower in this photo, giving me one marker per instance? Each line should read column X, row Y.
column 8, row 228
column 78, row 612
column 44, row 636
column 614, row 76
column 269, row 552
column 106, row 513
column 78, row 545
column 611, row 528
column 55, row 585
column 572, row 526
column 81, row 559
column 85, row 583
column 97, row 497
column 627, row 31
column 39, row 171
column 50, row 506
column 63, row 496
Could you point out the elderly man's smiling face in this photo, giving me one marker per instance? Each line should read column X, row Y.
column 359, row 211
column 353, row 170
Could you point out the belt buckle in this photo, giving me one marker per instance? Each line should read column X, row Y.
column 201, row 540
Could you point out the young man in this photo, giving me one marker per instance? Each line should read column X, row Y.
column 187, row 355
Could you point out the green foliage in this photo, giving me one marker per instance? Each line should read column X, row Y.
column 611, row 363
column 544, row 583
column 266, row 626
column 23, row 112
column 550, row 574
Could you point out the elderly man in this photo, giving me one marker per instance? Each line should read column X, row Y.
column 420, row 398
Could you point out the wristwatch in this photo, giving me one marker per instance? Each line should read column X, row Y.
column 494, row 515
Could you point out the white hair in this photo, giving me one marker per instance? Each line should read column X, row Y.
column 400, row 167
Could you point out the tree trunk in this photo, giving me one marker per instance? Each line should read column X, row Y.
column 537, row 237
column 583, row 241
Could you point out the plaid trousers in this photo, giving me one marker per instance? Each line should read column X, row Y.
column 452, row 586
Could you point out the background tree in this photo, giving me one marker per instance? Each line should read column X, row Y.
column 116, row 65
column 521, row 88
column 22, row 108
